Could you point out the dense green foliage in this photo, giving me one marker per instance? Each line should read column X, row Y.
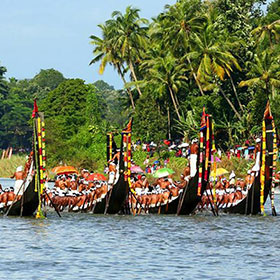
column 223, row 55
column 77, row 116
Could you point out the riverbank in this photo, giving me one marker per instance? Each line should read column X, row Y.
column 8, row 166
column 240, row 166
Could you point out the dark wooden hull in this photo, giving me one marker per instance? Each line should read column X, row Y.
column 252, row 200
column 30, row 202
column 191, row 198
column 189, row 194
column 117, row 199
column 190, row 202
column 251, row 203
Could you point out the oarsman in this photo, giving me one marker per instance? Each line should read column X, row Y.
column 19, row 176
column 144, row 182
column 232, row 178
column 68, row 181
column 164, row 183
column 112, row 173
column 257, row 154
column 62, row 182
column 193, row 157
column 116, row 157
column 137, row 185
column 73, row 184
column 85, row 173
column 248, row 178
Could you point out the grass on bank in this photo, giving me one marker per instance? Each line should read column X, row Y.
column 8, row 166
column 240, row 166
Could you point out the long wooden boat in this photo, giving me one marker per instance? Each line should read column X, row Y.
column 32, row 184
column 115, row 199
column 29, row 201
column 189, row 198
column 251, row 204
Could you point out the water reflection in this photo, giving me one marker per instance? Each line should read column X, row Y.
column 86, row 246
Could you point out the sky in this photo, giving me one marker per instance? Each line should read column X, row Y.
column 43, row 34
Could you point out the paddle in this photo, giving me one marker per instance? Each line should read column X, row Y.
column 53, row 205
column 273, row 209
column 212, row 207
column 108, row 200
column 182, row 199
column 7, row 213
column 140, row 206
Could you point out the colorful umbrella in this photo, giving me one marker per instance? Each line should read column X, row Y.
column 136, row 169
column 64, row 170
column 166, row 142
column 219, row 172
column 96, row 177
column 163, row 172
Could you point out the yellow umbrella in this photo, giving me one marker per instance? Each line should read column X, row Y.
column 65, row 170
column 219, row 172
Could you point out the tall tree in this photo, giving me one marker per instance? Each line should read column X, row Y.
column 105, row 51
column 176, row 26
column 167, row 76
column 270, row 31
column 264, row 73
column 130, row 34
column 211, row 52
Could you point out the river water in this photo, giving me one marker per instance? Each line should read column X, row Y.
column 86, row 246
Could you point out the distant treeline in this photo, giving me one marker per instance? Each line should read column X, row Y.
column 77, row 115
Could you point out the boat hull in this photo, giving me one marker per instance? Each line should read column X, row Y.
column 30, row 202
column 117, row 199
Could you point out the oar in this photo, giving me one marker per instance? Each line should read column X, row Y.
column 215, row 205
column 252, row 198
column 21, row 204
column 182, row 199
column 108, row 200
column 247, row 198
column 212, row 207
column 273, row 209
column 91, row 203
column 7, row 213
column 71, row 209
column 137, row 201
column 54, row 206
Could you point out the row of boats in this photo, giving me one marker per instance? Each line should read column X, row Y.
column 118, row 196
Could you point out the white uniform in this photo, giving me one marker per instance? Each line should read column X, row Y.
column 19, row 189
column 111, row 178
column 193, row 161
column 256, row 167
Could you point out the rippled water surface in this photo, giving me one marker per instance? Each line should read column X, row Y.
column 86, row 246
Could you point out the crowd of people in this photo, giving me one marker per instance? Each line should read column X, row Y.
column 181, row 148
column 81, row 192
column 227, row 192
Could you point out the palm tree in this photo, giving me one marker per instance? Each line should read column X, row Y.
column 105, row 52
column 264, row 72
column 130, row 38
column 270, row 31
column 175, row 27
column 188, row 125
column 214, row 61
column 166, row 74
